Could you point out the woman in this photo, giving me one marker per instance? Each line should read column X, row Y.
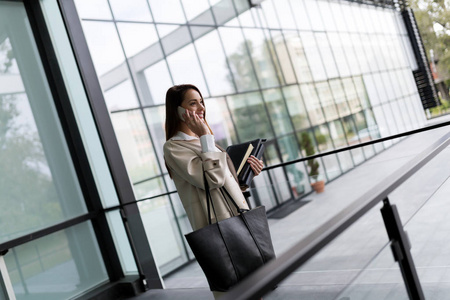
column 190, row 153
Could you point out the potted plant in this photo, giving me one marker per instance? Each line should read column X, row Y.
column 313, row 164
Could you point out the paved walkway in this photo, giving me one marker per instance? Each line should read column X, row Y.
column 358, row 264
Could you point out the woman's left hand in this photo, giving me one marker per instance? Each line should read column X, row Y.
column 256, row 164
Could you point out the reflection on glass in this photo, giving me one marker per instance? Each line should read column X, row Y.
column 214, row 64
column 162, row 233
column 250, row 117
column 149, row 188
column 38, row 182
column 277, row 111
column 238, row 59
column 56, row 266
column 135, row 145
column 313, row 55
column 297, row 57
column 155, row 117
column 312, row 103
column 259, row 50
column 280, row 57
column 221, row 122
column 327, row 101
column 296, row 107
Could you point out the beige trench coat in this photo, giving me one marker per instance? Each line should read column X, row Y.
column 187, row 164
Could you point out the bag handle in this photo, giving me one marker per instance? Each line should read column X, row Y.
column 209, row 201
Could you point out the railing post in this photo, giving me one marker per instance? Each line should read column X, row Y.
column 401, row 246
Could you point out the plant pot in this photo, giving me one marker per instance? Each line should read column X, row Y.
column 318, row 186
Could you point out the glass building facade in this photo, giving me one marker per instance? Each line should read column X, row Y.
column 337, row 71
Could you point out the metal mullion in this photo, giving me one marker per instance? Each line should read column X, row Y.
column 74, row 143
column 140, row 246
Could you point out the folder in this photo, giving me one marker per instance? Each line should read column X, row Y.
column 239, row 154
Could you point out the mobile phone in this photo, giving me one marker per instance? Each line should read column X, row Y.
column 181, row 111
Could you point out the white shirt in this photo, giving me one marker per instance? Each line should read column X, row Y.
column 207, row 141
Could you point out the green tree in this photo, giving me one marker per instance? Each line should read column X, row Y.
column 433, row 20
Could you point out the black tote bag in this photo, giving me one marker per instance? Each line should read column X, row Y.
column 231, row 249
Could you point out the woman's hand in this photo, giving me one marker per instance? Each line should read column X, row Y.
column 256, row 164
column 196, row 124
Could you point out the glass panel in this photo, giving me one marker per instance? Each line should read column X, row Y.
column 223, row 11
column 327, row 101
column 237, row 55
column 163, row 233
column 198, row 12
column 250, row 117
column 282, row 56
column 135, row 145
column 337, row 134
column 104, row 46
column 258, row 46
column 121, row 96
column 155, row 117
column 284, row 12
column 314, row 15
column 313, row 54
column 80, row 103
column 340, row 98
column 56, row 266
column 296, row 107
column 339, row 55
column 214, row 64
column 301, row 16
column 131, row 10
column 326, row 55
column 94, row 9
column 37, row 178
column 312, row 103
column 149, row 188
column 270, row 14
column 158, row 80
column 298, row 57
column 185, row 68
column 136, row 37
column 221, row 122
column 121, row 242
column 277, row 111
column 160, row 9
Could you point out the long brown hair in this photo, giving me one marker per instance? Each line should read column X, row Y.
column 174, row 98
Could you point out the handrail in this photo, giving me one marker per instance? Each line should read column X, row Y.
column 360, row 145
column 268, row 276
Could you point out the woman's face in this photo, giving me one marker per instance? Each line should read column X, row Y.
column 193, row 102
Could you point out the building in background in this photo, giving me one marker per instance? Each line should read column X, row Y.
column 341, row 71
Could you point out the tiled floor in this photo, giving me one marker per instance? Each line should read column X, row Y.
column 358, row 264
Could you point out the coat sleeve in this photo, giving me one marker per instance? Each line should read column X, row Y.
column 190, row 165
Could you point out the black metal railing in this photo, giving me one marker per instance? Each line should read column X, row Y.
column 264, row 279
